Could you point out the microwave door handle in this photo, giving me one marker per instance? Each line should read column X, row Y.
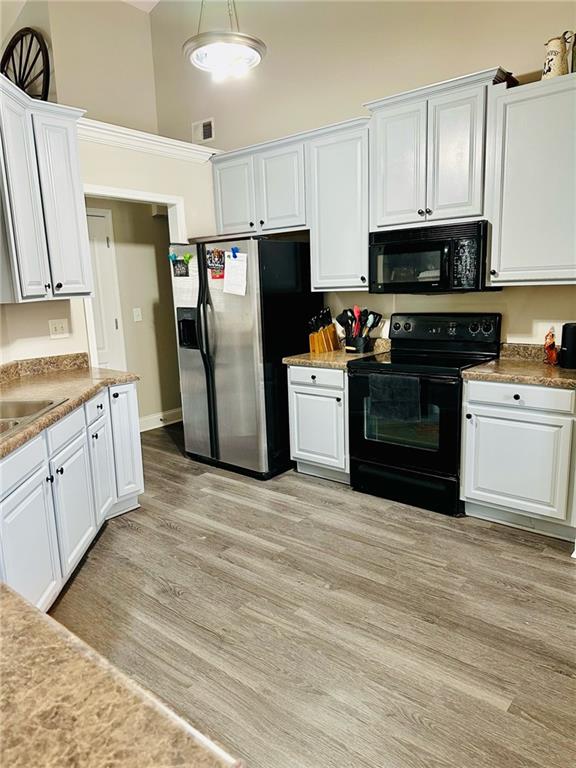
column 447, row 258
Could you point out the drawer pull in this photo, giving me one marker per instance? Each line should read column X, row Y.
column 516, row 397
column 313, row 378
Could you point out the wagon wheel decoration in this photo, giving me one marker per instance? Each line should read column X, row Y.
column 26, row 63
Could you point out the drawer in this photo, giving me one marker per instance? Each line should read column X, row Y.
column 21, row 463
column 64, row 430
column 318, row 377
column 97, row 407
column 521, row 396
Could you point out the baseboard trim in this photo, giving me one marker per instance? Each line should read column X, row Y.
column 519, row 520
column 160, row 419
column 326, row 473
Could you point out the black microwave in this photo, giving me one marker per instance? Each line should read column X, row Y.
column 443, row 259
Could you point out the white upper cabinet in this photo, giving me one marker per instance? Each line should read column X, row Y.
column 234, row 195
column 261, row 189
column 398, row 146
column 63, row 199
column 428, row 152
column 532, row 195
column 21, row 198
column 280, row 198
column 456, row 154
column 47, row 253
column 337, row 200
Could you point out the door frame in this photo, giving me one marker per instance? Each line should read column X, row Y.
column 106, row 214
column 176, row 228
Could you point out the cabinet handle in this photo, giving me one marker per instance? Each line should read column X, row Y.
column 313, row 378
column 100, row 406
column 261, row 222
column 60, row 471
column 50, row 479
column 115, row 395
column 95, row 436
column 420, row 211
column 516, row 397
column 493, row 272
column 251, row 223
column 47, row 286
column 468, row 415
column 58, row 286
column 363, row 278
column 428, row 211
column 338, row 399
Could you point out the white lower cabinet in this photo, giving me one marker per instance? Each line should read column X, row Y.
column 319, row 421
column 126, row 436
column 29, row 559
column 59, row 488
column 517, row 456
column 102, row 464
column 73, row 502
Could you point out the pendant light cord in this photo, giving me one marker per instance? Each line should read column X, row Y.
column 232, row 15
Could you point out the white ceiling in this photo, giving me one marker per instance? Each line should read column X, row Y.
column 143, row 5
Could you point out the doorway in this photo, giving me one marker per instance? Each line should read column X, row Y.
column 133, row 307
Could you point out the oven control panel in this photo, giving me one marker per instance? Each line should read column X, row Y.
column 479, row 327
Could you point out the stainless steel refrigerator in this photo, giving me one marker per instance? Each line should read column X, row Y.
column 230, row 346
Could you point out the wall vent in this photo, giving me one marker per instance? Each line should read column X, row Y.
column 203, row 131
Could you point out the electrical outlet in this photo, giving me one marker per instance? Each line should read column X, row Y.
column 58, row 328
column 137, row 314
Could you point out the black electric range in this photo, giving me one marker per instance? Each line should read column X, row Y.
column 405, row 407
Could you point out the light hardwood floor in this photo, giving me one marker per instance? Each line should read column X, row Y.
column 303, row 625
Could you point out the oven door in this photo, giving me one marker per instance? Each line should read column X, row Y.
column 410, row 422
column 411, row 266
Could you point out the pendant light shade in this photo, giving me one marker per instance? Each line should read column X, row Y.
column 227, row 53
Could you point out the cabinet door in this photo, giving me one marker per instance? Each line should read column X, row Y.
column 398, row 165
column 25, row 216
column 318, row 426
column 28, row 543
column 456, row 154
column 533, row 190
column 64, row 209
column 102, row 464
column 72, row 488
column 518, row 460
column 126, row 439
column 337, row 196
column 280, row 201
column 234, row 196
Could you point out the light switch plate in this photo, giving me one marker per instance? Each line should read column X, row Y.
column 59, row 328
column 137, row 314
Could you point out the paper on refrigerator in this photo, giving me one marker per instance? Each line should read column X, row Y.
column 235, row 273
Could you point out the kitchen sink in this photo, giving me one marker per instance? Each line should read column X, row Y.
column 18, row 413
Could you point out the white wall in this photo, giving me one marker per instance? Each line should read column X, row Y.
column 325, row 59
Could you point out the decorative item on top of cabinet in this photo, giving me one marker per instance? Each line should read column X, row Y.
column 45, row 249
column 556, row 61
column 531, row 190
column 427, row 151
column 26, row 63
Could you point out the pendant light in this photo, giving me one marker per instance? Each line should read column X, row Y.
column 227, row 53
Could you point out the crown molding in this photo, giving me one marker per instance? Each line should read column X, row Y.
column 139, row 141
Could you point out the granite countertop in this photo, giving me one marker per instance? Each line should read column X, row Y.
column 53, row 378
column 511, row 370
column 337, row 360
column 62, row 704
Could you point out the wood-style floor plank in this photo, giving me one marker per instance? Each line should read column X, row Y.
column 303, row 625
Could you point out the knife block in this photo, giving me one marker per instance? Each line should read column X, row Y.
column 324, row 340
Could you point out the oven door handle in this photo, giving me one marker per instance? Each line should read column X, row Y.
column 446, row 263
